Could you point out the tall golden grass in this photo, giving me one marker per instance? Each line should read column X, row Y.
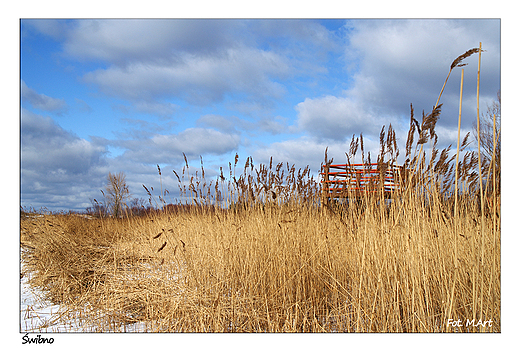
column 260, row 250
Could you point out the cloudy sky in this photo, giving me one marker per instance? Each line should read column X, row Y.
column 101, row 96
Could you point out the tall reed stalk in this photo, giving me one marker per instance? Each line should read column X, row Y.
column 481, row 267
column 456, row 210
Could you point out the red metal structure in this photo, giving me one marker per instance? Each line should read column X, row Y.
column 355, row 180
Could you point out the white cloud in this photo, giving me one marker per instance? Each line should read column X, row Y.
column 235, row 125
column 302, row 152
column 407, row 61
column 198, row 79
column 47, row 147
column 41, row 101
column 335, row 118
column 122, row 41
column 58, row 169
column 197, row 141
column 201, row 61
column 168, row 149
column 401, row 62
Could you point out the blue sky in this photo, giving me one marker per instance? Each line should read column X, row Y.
column 126, row 95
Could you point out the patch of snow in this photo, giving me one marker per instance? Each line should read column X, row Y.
column 37, row 314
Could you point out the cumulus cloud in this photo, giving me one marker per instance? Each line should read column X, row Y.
column 407, row 61
column 41, row 101
column 197, row 141
column 121, row 41
column 335, row 118
column 235, row 125
column 169, row 148
column 47, row 147
column 301, row 151
column 57, row 167
column 200, row 61
column 198, row 79
column 401, row 62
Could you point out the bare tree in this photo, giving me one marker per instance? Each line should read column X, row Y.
column 117, row 193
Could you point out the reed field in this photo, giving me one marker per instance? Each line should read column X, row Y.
column 261, row 249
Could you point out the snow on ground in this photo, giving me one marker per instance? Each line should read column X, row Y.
column 40, row 315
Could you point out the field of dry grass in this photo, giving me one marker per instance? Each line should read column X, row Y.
column 409, row 266
column 262, row 251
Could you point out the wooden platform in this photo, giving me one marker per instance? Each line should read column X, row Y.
column 355, row 180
